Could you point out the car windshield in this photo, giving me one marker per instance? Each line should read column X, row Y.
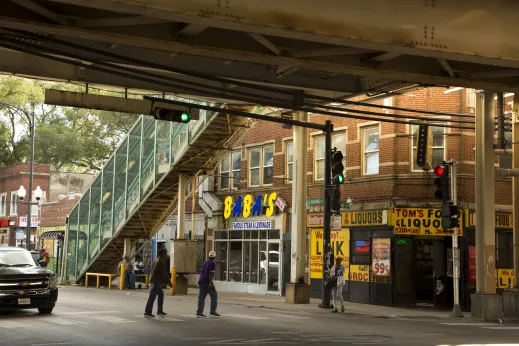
column 16, row 258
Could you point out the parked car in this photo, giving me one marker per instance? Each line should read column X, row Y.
column 24, row 284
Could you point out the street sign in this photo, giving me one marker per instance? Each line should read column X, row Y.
column 20, row 234
column 336, row 223
column 345, row 205
column 314, row 201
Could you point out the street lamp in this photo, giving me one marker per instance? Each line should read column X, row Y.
column 22, row 190
column 37, row 194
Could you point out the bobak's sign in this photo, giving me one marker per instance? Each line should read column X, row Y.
column 418, row 221
column 502, row 220
column 351, row 218
column 246, row 206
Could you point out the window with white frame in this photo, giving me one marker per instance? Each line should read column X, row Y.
column 13, row 210
column 3, row 204
column 339, row 142
column 370, row 139
column 230, row 168
column 236, row 169
column 261, row 166
column 289, row 161
column 438, row 146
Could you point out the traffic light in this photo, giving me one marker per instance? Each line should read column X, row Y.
column 337, row 167
column 442, row 183
column 335, row 200
column 178, row 116
column 454, row 216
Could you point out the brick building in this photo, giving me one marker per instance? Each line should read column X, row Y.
column 388, row 195
column 11, row 208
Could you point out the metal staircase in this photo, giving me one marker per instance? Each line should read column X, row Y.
column 136, row 190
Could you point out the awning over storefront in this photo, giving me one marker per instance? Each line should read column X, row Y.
column 52, row 234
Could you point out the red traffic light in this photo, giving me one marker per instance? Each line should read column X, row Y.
column 438, row 170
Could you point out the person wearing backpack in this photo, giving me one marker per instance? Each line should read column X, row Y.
column 337, row 283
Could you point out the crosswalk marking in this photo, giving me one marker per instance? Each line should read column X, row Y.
column 112, row 319
column 88, row 312
column 247, row 317
column 293, row 317
column 60, row 321
column 161, row 319
column 501, row 328
column 469, row 324
column 11, row 325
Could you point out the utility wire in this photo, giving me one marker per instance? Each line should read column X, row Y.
column 228, row 81
column 146, row 79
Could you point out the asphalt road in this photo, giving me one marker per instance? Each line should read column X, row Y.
column 99, row 317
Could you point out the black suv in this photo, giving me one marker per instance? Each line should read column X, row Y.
column 24, row 284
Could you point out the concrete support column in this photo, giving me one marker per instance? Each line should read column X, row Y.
column 297, row 291
column 129, row 245
column 182, row 180
column 511, row 295
column 485, row 303
column 515, row 187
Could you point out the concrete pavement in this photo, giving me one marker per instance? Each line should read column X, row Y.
column 101, row 317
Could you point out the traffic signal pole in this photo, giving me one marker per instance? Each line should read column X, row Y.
column 325, row 303
column 456, row 310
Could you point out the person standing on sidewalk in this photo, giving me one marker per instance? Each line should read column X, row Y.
column 206, row 286
column 159, row 276
column 337, row 275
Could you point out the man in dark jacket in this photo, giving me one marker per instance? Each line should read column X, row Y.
column 159, row 276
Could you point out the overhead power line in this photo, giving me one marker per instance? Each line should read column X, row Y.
column 136, row 74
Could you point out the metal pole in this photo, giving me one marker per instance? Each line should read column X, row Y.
column 327, row 212
column 456, row 311
column 30, row 185
column 480, row 181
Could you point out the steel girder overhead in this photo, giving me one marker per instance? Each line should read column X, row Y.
column 335, row 48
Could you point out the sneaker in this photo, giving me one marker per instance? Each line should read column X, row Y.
column 342, row 308
column 335, row 311
column 200, row 315
column 162, row 313
column 149, row 315
column 215, row 314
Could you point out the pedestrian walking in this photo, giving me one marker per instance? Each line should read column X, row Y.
column 159, row 276
column 338, row 281
column 206, row 286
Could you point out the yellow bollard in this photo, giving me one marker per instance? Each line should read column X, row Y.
column 121, row 277
column 173, row 280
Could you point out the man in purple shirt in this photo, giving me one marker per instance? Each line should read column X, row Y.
column 206, row 286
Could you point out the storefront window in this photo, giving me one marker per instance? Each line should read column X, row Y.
column 360, row 248
column 221, row 261
column 274, row 234
column 246, row 261
column 235, row 262
column 504, row 249
column 254, row 263
column 263, row 263
column 221, row 235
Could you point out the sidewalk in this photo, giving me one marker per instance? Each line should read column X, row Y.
column 278, row 303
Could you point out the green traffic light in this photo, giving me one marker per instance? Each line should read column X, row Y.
column 340, row 178
column 185, row 117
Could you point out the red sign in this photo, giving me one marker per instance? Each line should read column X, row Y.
column 4, row 223
column 472, row 264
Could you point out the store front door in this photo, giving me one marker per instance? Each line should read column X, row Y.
column 273, row 267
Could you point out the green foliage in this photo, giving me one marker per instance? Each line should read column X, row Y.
column 67, row 138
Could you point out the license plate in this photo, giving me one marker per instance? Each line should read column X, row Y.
column 24, row 301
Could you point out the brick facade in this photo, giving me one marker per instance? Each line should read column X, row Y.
column 396, row 179
column 11, row 178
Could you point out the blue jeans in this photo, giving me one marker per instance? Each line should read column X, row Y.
column 204, row 290
column 129, row 279
column 156, row 290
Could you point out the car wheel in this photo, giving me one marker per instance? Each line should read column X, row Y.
column 45, row 311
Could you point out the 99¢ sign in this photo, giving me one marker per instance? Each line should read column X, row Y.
column 381, row 256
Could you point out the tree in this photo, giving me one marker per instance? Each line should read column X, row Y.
column 67, row 138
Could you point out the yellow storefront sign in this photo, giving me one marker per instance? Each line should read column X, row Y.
column 340, row 242
column 505, row 278
column 359, row 273
column 351, row 218
column 418, row 221
column 502, row 220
